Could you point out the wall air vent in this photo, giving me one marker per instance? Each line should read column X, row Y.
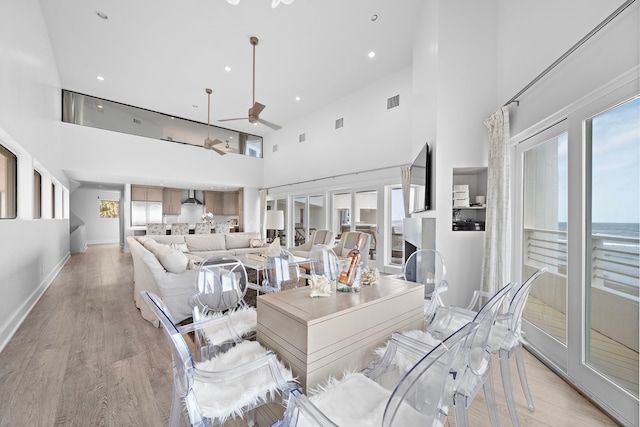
column 302, row 137
column 393, row 102
column 136, row 121
column 339, row 122
column 275, row 147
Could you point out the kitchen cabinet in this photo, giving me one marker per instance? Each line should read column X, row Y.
column 213, row 202
column 146, row 193
column 230, row 203
column 171, row 201
column 221, row 202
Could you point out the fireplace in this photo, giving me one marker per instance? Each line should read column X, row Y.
column 419, row 233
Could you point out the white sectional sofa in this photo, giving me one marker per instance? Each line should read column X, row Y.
column 167, row 264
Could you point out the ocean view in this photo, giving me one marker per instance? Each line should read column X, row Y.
column 623, row 229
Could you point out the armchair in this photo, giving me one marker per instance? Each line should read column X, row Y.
column 228, row 385
column 348, row 240
column 324, row 237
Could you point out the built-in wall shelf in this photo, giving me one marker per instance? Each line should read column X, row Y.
column 468, row 199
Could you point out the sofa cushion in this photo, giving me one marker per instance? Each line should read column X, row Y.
column 169, row 238
column 205, row 242
column 240, row 240
column 173, row 260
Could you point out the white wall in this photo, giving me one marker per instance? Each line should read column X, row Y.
column 372, row 136
column 525, row 51
column 85, row 204
column 32, row 250
column 139, row 160
column 460, row 52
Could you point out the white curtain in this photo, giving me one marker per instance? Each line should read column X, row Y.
column 263, row 212
column 406, row 188
column 497, row 237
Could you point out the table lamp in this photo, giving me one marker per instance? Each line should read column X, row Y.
column 275, row 221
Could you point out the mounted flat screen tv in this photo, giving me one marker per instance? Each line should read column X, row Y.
column 421, row 180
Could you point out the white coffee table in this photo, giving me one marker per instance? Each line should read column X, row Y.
column 258, row 267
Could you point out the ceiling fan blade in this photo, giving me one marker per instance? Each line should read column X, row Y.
column 237, row 118
column 271, row 125
column 256, row 109
column 218, row 150
column 209, row 143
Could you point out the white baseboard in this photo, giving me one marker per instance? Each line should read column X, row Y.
column 11, row 326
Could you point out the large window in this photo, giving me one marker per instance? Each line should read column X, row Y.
column 8, row 183
column 53, row 200
column 37, row 195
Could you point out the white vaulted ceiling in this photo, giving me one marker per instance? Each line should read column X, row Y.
column 161, row 55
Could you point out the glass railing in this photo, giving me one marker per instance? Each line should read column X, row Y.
column 100, row 113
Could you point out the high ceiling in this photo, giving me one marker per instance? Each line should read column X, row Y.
column 161, row 55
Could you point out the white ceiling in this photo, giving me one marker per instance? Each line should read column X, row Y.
column 161, row 55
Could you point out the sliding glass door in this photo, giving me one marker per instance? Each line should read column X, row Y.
column 612, row 208
column 579, row 215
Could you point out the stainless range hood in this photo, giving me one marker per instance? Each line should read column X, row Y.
column 191, row 200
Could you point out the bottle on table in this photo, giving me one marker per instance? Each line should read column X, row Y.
column 352, row 261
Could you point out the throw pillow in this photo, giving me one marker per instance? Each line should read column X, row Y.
column 256, row 243
column 182, row 247
column 173, row 260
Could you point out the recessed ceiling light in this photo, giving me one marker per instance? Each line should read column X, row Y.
column 172, row 118
column 100, row 78
column 227, row 68
column 102, row 15
column 374, row 17
column 372, row 54
column 297, row 98
column 100, row 107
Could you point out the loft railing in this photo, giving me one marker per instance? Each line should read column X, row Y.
column 615, row 261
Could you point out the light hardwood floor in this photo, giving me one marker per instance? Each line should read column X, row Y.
column 85, row 357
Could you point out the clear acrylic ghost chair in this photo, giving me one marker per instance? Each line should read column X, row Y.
column 427, row 266
column 215, row 390
column 416, row 397
column 323, row 262
column 506, row 339
column 221, row 283
column 281, row 272
column 474, row 363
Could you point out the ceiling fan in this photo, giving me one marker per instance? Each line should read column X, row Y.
column 214, row 144
column 254, row 112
